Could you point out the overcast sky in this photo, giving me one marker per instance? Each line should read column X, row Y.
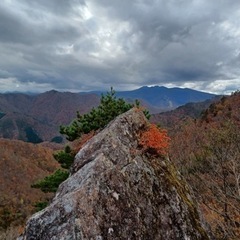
column 77, row 45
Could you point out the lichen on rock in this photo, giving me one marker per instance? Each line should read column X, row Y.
column 116, row 191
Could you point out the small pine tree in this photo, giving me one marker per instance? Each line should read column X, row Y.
column 65, row 157
column 109, row 108
column 40, row 205
column 51, row 182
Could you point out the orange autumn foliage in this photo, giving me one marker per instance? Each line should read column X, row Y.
column 155, row 140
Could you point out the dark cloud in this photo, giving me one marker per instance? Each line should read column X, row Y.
column 12, row 29
column 58, row 7
column 84, row 45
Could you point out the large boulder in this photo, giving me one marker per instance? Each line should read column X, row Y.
column 116, row 191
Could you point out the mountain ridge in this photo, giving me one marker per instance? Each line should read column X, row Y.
column 162, row 97
column 40, row 115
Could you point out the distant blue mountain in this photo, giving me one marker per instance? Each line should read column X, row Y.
column 163, row 98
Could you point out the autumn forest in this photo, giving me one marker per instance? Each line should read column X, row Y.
column 204, row 147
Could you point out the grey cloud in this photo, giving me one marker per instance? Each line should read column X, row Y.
column 12, row 29
column 94, row 44
column 58, row 7
column 4, row 74
column 35, row 27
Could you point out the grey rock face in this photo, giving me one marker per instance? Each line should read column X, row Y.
column 115, row 191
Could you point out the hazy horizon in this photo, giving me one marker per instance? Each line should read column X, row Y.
column 102, row 90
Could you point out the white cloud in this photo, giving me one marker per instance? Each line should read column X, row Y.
column 14, row 85
column 224, row 86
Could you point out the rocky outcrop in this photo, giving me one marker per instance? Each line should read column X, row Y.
column 115, row 191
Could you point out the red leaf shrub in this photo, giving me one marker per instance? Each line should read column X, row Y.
column 155, row 140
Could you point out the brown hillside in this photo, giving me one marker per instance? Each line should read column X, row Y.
column 228, row 108
column 42, row 114
column 207, row 152
column 13, row 125
column 15, row 102
column 21, row 164
column 60, row 108
column 182, row 114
